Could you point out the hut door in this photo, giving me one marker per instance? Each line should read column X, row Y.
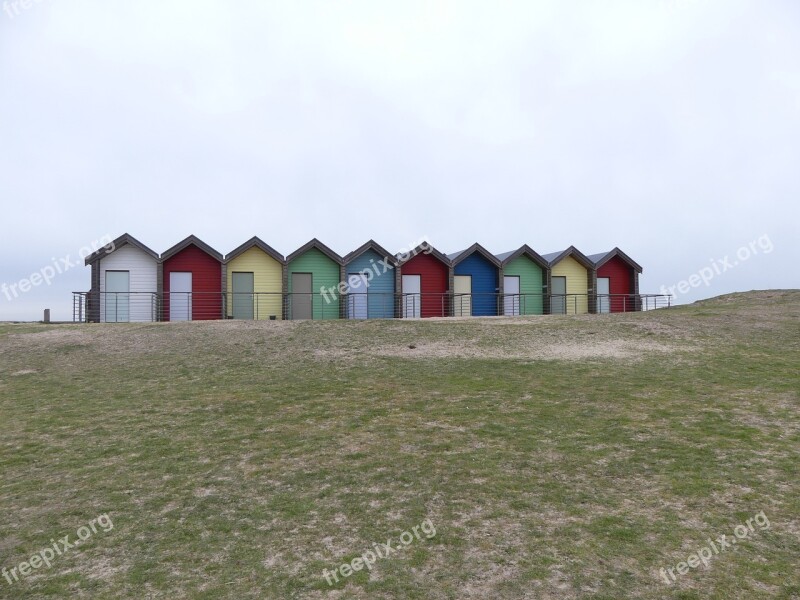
column 302, row 298
column 511, row 297
column 412, row 298
column 357, row 296
column 462, row 302
column 603, row 295
column 558, row 297
column 180, row 296
column 243, row 288
column 117, row 299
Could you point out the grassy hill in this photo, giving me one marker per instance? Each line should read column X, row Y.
column 556, row 457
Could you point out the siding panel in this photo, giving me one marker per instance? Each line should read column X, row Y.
column 484, row 284
column 325, row 274
column 206, row 282
column 531, row 281
column 380, row 302
column 143, row 270
column 577, row 279
column 268, row 279
column 434, row 276
column 621, row 276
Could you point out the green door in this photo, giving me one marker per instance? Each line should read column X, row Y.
column 243, row 288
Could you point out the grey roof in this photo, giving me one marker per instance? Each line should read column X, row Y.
column 257, row 243
column 596, row 257
column 504, row 255
column 371, row 245
column 523, row 250
column 125, row 238
column 192, row 240
column 555, row 257
column 454, row 255
column 552, row 255
column 424, row 248
column 601, row 259
column 315, row 243
column 476, row 247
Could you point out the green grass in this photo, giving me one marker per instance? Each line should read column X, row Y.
column 557, row 457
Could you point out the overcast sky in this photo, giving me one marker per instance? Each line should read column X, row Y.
column 669, row 128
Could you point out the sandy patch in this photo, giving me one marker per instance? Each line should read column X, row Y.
column 568, row 351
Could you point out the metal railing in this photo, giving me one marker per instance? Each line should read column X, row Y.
column 113, row 307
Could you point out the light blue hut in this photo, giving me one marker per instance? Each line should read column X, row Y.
column 370, row 278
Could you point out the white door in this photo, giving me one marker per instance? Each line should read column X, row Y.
column 357, row 285
column 511, row 295
column 180, row 296
column 117, row 296
column 603, row 291
column 462, row 299
column 412, row 296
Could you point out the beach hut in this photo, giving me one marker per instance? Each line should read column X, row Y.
column 570, row 286
column 370, row 278
column 424, row 275
column 476, row 284
column 524, row 282
column 617, row 285
column 313, row 273
column 124, row 282
column 192, row 281
column 254, row 278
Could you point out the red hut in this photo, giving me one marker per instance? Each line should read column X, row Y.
column 192, row 280
column 617, row 284
column 424, row 283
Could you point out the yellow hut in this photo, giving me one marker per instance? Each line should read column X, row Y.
column 254, row 282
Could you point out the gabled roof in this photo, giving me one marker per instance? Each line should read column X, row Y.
column 424, row 248
column 600, row 259
column 371, row 245
column 125, row 238
column 191, row 241
column 556, row 257
column 315, row 243
column 457, row 257
column 595, row 258
column 256, row 242
column 524, row 250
